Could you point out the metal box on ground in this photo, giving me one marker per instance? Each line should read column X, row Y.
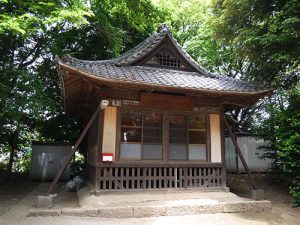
column 47, row 159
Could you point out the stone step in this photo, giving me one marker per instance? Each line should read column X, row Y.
column 171, row 208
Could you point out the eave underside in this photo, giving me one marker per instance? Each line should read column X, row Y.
column 82, row 93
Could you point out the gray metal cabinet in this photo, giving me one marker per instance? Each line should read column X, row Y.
column 47, row 159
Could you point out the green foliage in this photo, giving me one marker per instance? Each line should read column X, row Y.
column 27, row 17
column 60, row 128
column 184, row 17
column 22, row 161
column 288, row 143
column 31, row 34
column 295, row 191
column 281, row 130
column 77, row 165
column 266, row 32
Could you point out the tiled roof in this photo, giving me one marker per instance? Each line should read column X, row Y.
column 159, row 77
column 121, row 69
column 151, row 43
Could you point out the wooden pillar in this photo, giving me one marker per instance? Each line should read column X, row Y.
column 215, row 143
column 109, row 131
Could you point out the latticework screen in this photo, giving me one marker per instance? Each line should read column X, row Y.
column 166, row 59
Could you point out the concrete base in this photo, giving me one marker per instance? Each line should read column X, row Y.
column 153, row 204
column 171, row 209
column 45, row 201
column 258, row 194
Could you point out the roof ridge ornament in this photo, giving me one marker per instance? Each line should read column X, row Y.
column 163, row 28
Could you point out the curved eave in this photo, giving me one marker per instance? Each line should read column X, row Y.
column 143, row 84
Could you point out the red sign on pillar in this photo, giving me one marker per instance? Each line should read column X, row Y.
column 107, row 157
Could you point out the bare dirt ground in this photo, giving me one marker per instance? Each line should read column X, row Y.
column 12, row 196
column 13, row 191
column 282, row 211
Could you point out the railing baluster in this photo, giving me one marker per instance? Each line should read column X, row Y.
column 133, row 182
column 165, row 181
column 127, row 178
column 138, row 176
column 180, row 177
column 161, row 177
column 104, row 178
column 149, row 178
column 175, row 177
column 144, row 178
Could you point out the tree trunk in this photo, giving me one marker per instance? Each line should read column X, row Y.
column 13, row 148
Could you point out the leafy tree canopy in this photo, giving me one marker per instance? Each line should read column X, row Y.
column 31, row 34
column 266, row 32
column 28, row 17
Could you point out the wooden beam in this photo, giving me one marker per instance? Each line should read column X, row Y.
column 168, row 102
column 63, row 168
column 239, row 152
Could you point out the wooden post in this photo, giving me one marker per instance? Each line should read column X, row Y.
column 237, row 160
column 239, row 152
column 63, row 168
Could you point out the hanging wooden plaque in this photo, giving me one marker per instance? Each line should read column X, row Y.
column 168, row 102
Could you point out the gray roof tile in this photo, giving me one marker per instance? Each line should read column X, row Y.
column 121, row 69
column 160, row 77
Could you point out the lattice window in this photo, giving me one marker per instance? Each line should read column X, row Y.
column 165, row 58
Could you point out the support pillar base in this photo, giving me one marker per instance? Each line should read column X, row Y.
column 258, row 194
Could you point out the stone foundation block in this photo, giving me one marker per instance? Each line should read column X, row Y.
column 44, row 212
column 120, row 212
column 211, row 208
column 259, row 206
column 149, row 211
column 45, row 201
column 80, row 212
column 258, row 194
column 180, row 210
column 231, row 207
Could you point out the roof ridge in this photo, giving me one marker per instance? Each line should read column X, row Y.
column 68, row 57
column 153, row 41
column 190, row 59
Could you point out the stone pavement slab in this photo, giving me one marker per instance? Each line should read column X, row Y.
column 155, row 204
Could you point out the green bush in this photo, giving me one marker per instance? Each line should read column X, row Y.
column 287, row 134
column 295, row 191
column 77, row 165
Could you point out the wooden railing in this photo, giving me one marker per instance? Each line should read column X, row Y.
column 117, row 177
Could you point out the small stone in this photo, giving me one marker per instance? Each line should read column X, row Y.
column 45, row 201
column 258, row 194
